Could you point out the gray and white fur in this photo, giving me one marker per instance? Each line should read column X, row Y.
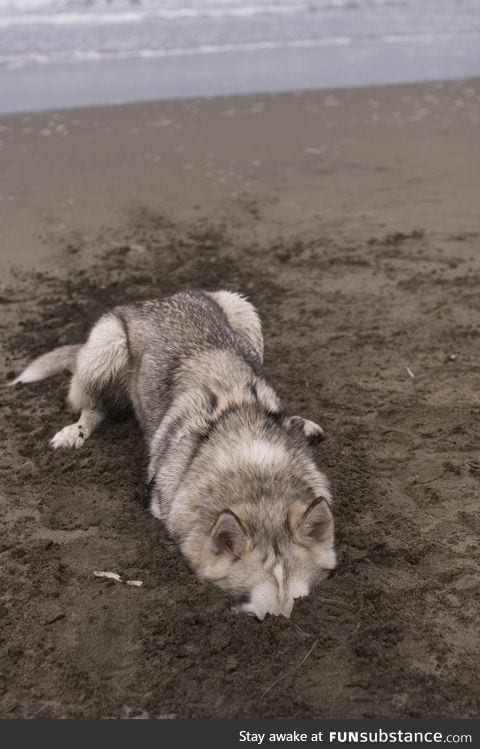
column 231, row 476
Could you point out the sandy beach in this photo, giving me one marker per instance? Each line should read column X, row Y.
column 350, row 218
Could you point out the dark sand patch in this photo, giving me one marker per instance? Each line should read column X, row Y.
column 396, row 629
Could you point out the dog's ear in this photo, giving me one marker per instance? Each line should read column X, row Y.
column 227, row 536
column 317, row 522
column 312, row 524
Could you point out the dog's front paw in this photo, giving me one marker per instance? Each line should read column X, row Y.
column 312, row 430
column 71, row 436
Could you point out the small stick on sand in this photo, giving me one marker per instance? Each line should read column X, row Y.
column 410, row 373
column 289, row 672
column 109, row 575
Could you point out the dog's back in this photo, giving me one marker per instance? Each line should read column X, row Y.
column 185, row 341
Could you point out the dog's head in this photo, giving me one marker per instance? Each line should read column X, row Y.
column 266, row 561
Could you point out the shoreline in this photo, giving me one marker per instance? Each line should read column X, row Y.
column 284, row 69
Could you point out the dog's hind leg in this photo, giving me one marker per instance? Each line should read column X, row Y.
column 101, row 364
column 242, row 317
column 74, row 435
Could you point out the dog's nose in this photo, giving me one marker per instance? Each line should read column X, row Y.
column 251, row 611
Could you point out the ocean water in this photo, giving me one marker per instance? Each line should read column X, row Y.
column 43, row 31
column 206, row 47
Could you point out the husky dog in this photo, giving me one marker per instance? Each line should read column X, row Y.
column 230, row 475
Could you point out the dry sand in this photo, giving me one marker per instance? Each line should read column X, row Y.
column 351, row 219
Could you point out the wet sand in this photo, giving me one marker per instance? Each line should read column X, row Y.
column 351, row 220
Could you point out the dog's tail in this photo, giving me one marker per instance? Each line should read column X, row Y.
column 64, row 357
